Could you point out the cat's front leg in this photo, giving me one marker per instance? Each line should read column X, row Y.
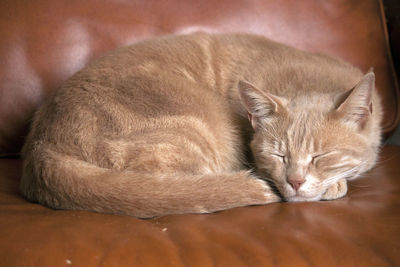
column 336, row 190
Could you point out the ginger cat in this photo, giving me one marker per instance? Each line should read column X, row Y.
column 172, row 125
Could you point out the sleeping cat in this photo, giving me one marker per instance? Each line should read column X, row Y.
column 200, row 123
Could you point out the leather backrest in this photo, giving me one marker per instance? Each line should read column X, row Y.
column 44, row 42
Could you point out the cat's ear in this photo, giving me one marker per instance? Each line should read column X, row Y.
column 356, row 108
column 261, row 106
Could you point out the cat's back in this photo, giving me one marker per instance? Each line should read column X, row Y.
column 186, row 75
column 163, row 81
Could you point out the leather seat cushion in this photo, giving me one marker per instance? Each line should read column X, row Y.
column 361, row 229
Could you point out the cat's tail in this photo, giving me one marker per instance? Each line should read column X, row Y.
column 63, row 182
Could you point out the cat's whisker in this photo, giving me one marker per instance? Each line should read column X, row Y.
column 351, row 173
column 361, row 186
column 388, row 158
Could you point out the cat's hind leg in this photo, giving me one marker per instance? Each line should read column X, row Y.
column 64, row 182
column 176, row 176
column 142, row 179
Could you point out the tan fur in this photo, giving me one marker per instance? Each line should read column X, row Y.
column 161, row 127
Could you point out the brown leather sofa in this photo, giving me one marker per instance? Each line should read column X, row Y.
column 43, row 42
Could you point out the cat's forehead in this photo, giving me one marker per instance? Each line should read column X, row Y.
column 304, row 122
column 299, row 132
column 308, row 132
column 310, row 102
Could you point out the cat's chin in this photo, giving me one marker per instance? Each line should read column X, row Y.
column 300, row 196
column 302, row 199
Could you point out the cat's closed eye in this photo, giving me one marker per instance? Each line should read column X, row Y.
column 315, row 158
column 281, row 157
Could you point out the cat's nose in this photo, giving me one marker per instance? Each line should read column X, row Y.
column 296, row 182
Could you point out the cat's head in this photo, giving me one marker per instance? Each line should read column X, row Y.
column 307, row 143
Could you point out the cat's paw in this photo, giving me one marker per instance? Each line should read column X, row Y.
column 336, row 190
column 268, row 194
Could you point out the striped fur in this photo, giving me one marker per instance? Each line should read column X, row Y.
column 168, row 126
